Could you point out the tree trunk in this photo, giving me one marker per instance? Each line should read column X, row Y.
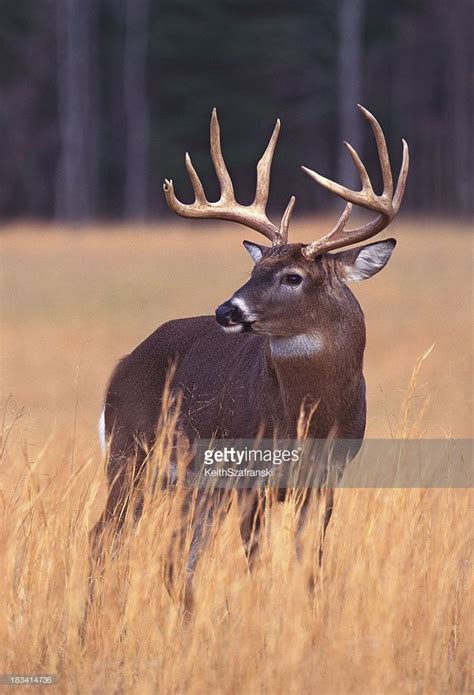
column 349, row 77
column 136, row 108
column 77, row 171
column 460, row 104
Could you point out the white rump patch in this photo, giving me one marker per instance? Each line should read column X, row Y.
column 101, row 431
column 305, row 345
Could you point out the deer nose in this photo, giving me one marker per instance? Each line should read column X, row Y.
column 228, row 314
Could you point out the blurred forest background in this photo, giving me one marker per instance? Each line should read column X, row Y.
column 101, row 98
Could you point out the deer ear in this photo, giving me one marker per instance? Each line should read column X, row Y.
column 255, row 250
column 364, row 261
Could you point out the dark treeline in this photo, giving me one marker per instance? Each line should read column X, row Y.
column 100, row 99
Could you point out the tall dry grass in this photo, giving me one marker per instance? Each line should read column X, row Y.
column 391, row 610
column 392, row 606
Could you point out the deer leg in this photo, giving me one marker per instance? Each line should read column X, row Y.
column 211, row 510
column 328, row 502
column 124, row 472
column 207, row 512
column 301, row 523
column 326, row 498
column 201, row 527
column 328, row 507
column 125, row 468
column 251, row 508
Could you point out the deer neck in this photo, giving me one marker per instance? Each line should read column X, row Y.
column 318, row 371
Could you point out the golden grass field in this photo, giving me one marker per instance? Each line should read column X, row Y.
column 392, row 608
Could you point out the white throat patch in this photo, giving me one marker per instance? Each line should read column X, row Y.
column 305, row 345
column 233, row 328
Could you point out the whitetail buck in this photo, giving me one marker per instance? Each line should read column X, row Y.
column 293, row 334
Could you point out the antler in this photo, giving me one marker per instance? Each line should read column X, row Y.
column 386, row 205
column 226, row 208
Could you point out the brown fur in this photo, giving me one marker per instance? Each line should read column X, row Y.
column 235, row 385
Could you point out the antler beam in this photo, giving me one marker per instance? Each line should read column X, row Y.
column 386, row 205
column 227, row 208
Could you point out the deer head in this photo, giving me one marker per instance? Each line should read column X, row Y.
column 295, row 287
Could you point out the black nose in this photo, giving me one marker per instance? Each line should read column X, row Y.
column 228, row 314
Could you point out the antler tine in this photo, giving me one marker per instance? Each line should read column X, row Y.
column 316, row 247
column 382, row 151
column 336, row 188
column 386, row 205
column 227, row 189
column 285, row 220
column 226, row 208
column 364, row 177
column 263, row 171
column 200, row 196
column 402, row 178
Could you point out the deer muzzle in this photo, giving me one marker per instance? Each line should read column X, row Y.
column 232, row 317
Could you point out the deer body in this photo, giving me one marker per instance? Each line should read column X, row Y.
column 257, row 367
column 289, row 340
column 244, row 386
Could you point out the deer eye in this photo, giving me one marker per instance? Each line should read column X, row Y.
column 293, row 279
